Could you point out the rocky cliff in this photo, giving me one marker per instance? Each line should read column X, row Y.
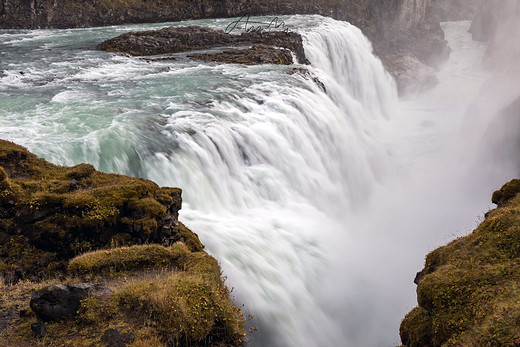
column 468, row 290
column 64, row 225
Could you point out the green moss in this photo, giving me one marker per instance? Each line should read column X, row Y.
column 416, row 329
column 506, row 193
column 80, row 171
column 164, row 295
column 64, row 211
column 185, row 305
column 191, row 239
column 122, row 260
column 470, row 287
column 184, row 309
column 96, row 310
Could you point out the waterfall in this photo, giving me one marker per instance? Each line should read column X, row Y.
column 314, row 187
column 269, row 175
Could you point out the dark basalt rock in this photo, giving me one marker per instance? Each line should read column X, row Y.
column 60, row 302
column 257, row 54
column 192, row 38
column 113, row 338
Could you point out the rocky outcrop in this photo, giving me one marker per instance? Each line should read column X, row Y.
column 64, row 225
column 410, row 74
column 468, row 290
column 181, row 39
column 49, row 214
column 498, row 23
column 501, row 143
column 409, row 37
column 257, row 54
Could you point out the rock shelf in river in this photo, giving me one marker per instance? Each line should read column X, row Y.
column 257, row 47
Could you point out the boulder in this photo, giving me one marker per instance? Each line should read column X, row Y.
column 60, row 302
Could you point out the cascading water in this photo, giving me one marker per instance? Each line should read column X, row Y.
column 287, row 181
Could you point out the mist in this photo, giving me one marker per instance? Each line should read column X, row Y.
column 453, row 145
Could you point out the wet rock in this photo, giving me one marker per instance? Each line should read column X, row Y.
column 265, row 45
column 257, row 54
column 305, row 73
column 61, row 302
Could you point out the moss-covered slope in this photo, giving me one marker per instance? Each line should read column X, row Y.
column 469, row 290
column 62, row 225
column 49, row 214
column 161, row 296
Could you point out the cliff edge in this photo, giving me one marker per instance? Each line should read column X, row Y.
column 468, row 290
column 90, row 258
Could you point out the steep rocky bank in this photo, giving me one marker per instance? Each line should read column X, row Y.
column 63, row 225
column 467, row 292
column 397, row 28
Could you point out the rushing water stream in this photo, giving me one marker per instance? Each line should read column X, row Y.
column 320, row 203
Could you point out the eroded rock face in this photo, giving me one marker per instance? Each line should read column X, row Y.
column 498, row 23
column 257, row 54
column 191, row 38
column 60, row 302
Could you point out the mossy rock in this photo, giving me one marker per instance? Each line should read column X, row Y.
column 416, row 329
column 166, row 296
column 506, row 193
column 468, row 291
column 124, row 260
column 185, row 309
column 50, row 214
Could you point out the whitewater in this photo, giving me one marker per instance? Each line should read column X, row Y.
column 319, row 192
